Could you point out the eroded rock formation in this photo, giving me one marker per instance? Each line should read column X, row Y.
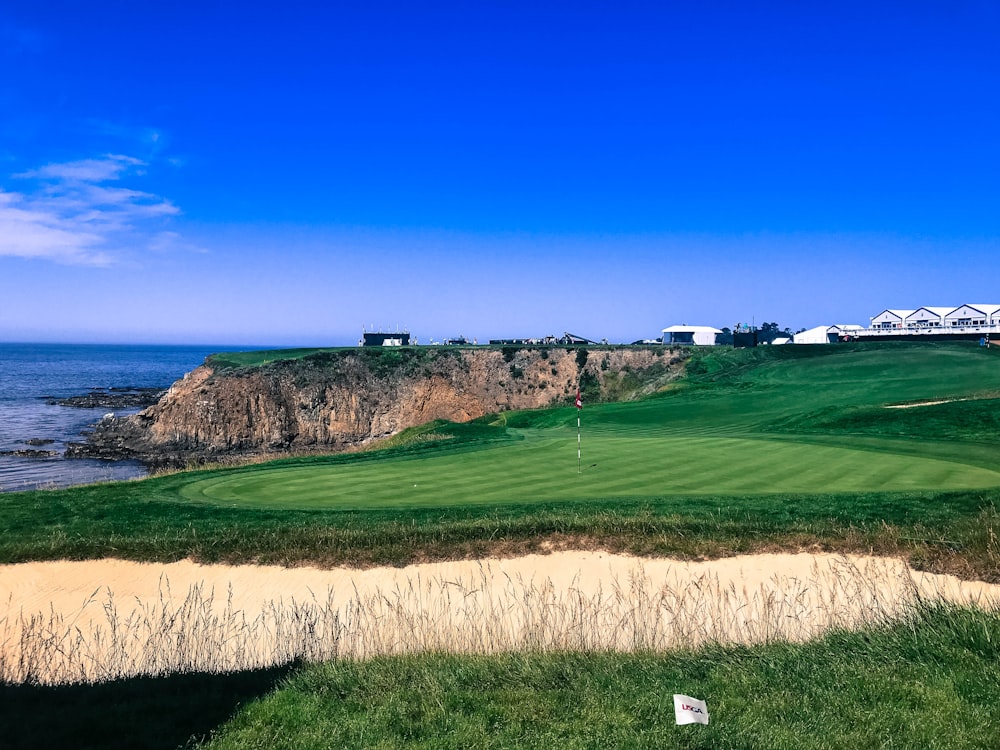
column 333, row 401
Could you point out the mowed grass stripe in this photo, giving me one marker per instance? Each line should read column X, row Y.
column 545, row 469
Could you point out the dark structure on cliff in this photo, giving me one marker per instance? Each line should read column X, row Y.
column 386, row 339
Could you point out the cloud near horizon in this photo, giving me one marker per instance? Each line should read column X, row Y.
column 72, row 216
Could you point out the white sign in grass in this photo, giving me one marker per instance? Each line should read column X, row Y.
column 688, row 710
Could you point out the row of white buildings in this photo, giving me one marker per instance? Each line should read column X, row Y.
column 968, row 321
column 938, row 319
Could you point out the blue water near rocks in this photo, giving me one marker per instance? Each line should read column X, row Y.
column 31, row 372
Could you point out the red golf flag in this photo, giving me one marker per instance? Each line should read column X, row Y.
column 579, row 401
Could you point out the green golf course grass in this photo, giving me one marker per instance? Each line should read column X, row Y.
column 544, row 469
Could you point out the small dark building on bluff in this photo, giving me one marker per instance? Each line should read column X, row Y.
column 386, row 339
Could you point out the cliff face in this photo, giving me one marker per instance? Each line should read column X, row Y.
column 339, row 400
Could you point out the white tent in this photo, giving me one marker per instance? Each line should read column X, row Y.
column 698, row 335
column 817, row 335
column 825, row 334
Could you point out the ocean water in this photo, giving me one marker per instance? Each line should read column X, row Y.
column 31, row 372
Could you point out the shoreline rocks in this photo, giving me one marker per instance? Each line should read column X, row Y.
column 30, row 453
column 110, row 398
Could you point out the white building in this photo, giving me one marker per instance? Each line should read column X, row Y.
column 971, row 316
column 927, row 317
column 969, row 321
column 697, row 335
column 890, row 319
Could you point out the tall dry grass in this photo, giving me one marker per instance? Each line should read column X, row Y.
column 201, row 630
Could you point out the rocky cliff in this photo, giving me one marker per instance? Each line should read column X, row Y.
column 334, row 401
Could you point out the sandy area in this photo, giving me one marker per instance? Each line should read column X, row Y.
column 924, row 403
column 67, row 621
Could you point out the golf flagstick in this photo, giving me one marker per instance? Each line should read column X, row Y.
column 579, row 454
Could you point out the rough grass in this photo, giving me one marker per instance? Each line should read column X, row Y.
column 970, row 420
column 930, row 682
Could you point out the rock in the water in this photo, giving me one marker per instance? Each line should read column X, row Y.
column 111, row 398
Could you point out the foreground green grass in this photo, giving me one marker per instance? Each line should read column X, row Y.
column 928, row 683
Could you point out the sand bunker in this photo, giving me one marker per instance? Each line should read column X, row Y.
column 925, row 403
column 85, row 621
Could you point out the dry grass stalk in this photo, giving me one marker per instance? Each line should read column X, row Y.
column 486, row 613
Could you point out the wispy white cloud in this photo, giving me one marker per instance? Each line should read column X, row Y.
column 70, row 214
column 109, row 167
column 28, row 232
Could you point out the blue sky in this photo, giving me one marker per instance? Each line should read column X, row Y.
column 285, row 174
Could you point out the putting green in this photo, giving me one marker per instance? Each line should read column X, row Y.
column 544, row 468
